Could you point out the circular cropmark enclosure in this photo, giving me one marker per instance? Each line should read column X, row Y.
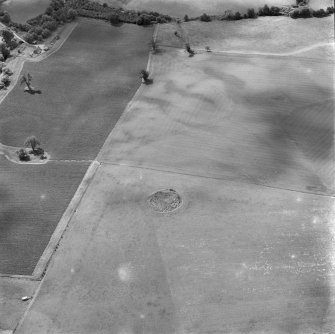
column 166, row 200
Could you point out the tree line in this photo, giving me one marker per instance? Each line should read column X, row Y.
column 300, row 10
column 60, row 12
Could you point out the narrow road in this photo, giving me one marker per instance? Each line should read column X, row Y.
column 15, row 34
column 284, row 54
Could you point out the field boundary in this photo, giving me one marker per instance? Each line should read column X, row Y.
column 132, row 101
column 61, row 227
column 238, row 53
column 179, row 171
column 64, row 221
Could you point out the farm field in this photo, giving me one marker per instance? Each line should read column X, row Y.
column 85, row 87
column 179, row 8
column 22, row 10
column 33, row 199
column 235, row 258
column 235, row 117
column 83, row 94
column 245, row 138
column 266, row 34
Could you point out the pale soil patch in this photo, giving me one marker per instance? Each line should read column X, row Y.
column 12, row 307
column 227, row 116
column 236, row 257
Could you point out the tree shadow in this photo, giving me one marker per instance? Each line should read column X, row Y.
column 33, row 91
column 117, row 24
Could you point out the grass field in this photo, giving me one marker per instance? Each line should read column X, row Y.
column 235, row 258
column 266, row 34
column 22, row 10
column 179, row 8
column 246, row 140
column 85, row 87
column 33, row 199
column 235, row 117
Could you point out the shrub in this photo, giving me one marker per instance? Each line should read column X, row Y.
column 238, row 16
column 50, row 25
column 145, row 20
column 114, row 18
column 186, row 18
column 264, row 11
column 29, row 38
column 251, row 13
column 320, row 13
column 275, row 11
column 305, row 12
column 7, row 71
column 5, row 18
column 23, row 155
column 4, row 51
column 5, row 81
column 330, row 10
column 37, row 151
column 46, row 33
column 71, row 14
column 161, row 20
column 144, row 75
column 189, row 50
column 205, row 18
column 7, row 36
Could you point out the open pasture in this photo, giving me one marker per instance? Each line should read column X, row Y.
column 235, row 258
column 265, row 34
column 85, row 86
column 33, row 199
column 264, row 120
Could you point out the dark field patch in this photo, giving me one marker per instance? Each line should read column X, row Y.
column 33, row 199
column 85, row 87
column 22, row 10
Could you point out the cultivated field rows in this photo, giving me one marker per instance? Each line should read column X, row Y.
column 84, row 86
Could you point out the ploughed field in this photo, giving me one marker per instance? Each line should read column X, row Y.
column 260, row 119
column 85, row 87
column 33, row 199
